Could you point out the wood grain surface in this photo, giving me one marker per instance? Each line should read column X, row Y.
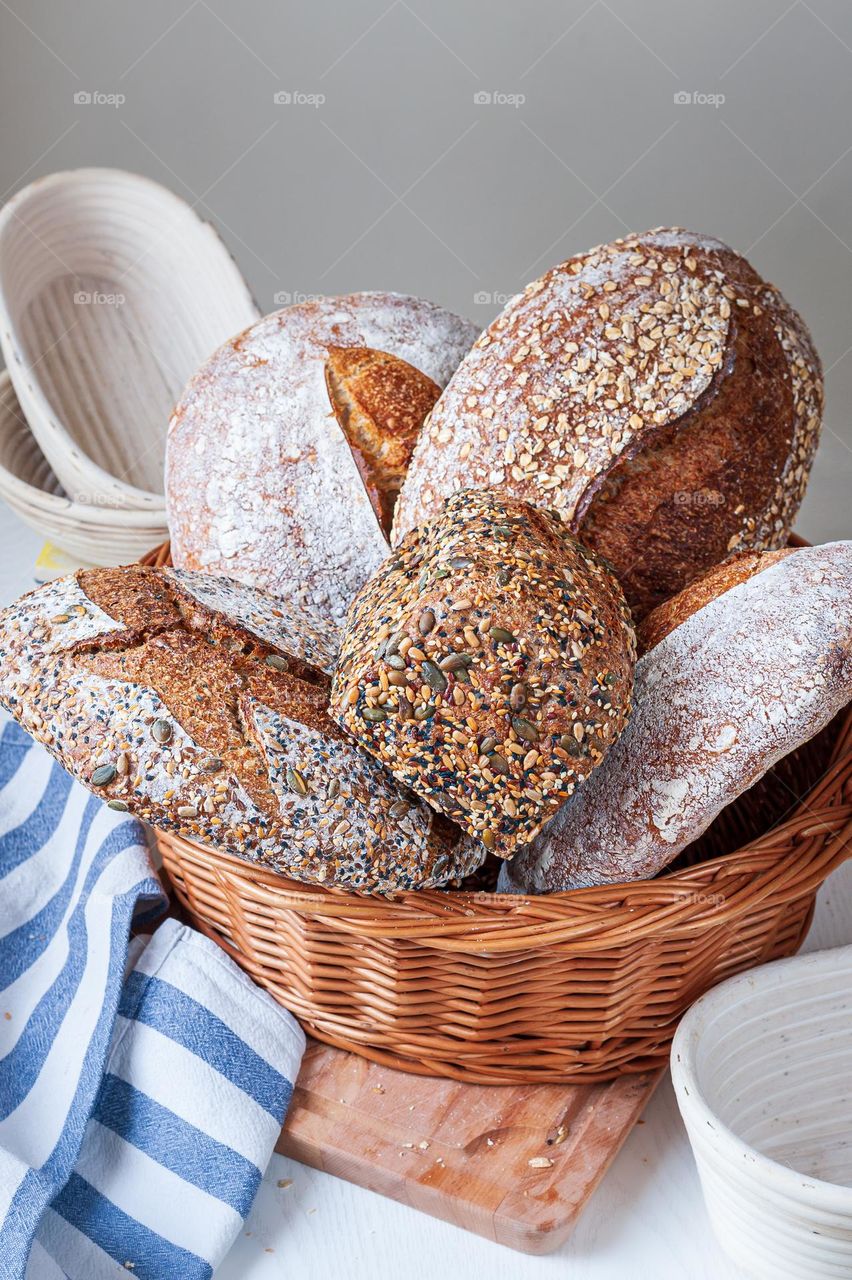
column 515, row 1164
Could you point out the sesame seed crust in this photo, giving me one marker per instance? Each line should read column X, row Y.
column 488, row 664
column 173, row 696
column 655, row 392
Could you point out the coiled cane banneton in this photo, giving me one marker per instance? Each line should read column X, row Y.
column 569, row 987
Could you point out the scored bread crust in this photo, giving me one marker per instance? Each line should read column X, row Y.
column 655, row 391
column 172, row 695
column 380, row 403
column 742, row 682
column 261, row 483
column 488, row 665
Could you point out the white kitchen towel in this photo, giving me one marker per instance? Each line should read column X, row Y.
column 142, row 1087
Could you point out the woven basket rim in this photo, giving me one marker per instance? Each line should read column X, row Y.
column 780, row 866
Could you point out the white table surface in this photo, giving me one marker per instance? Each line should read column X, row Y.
column 645, row 1222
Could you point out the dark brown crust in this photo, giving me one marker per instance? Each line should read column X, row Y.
column 380, row 403
column 656, row 392
column 736, row 569
column 679, row 501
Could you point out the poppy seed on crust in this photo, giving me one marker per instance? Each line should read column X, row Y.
column 518, row 653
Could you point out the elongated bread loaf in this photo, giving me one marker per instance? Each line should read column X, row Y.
column 736, row 569
column 287, row 448
column 655, row 391
column 740, row 683
column 179, row 697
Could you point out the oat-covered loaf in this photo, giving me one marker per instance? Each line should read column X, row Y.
column 488, row 664
column 287, row 448
column 655, row 391
column 738, row 685
column 176, row 696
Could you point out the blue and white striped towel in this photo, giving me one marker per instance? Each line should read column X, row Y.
column 142, row 1084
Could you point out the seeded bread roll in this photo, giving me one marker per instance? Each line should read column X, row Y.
column 656, row 392
column 173, row 696
column 738, row 685
column 488, row 665
column 288, row 447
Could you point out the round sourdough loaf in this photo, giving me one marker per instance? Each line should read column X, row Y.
column 655, row 391
column 188, row 701
column 738, row 684
column 288, row 447
column 488, row 664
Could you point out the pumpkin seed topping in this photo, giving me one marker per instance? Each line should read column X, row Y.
column 479, row 719
column 434, row 676
column 525, row 729
column 456, row 661
column 296, row 782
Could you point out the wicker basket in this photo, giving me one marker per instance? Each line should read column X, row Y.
column 571, row 987
column 91, row 262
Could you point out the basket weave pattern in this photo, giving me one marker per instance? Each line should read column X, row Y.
column 495, row 989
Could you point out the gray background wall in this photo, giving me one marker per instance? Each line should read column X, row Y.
column 384, row 171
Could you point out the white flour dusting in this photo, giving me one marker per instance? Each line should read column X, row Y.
column 261, row 483
column 728, row 693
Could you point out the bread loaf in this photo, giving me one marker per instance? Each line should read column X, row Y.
column 177, row 697
column 736, row 686
column 292, row 437
column 656, row 392
column 488, row 665
column 737, row 568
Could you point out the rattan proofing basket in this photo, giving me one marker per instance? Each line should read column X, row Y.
column 572, row 987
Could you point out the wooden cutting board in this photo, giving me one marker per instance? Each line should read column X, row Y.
column 513, row 1163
